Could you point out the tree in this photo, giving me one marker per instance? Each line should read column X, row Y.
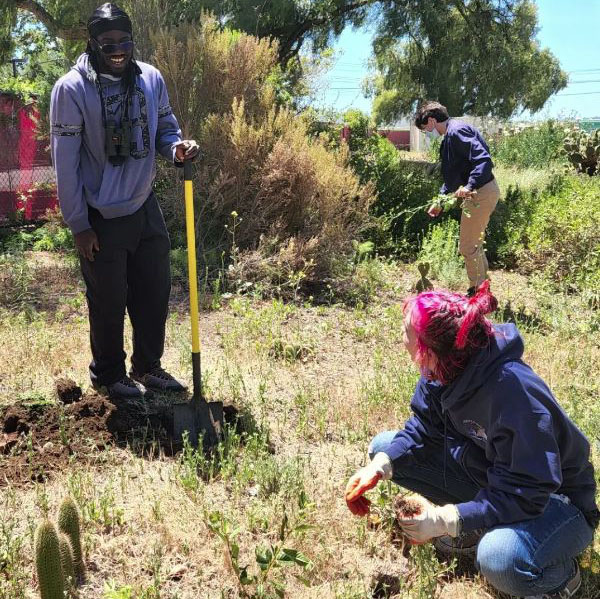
column 477, row 57
column 63, row 20
column 293, row 23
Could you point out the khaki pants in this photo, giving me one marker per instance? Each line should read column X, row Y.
column 472, row 230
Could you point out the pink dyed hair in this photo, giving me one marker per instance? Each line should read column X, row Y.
column 451, row 327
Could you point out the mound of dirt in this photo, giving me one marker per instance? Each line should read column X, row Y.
column 37, row 438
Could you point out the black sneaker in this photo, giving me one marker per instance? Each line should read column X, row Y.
column 125, row 389
column 471, row 291
column 570, row 589
column 159, row 379
column 464, row 544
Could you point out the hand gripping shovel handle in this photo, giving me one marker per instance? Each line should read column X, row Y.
column 193, row 277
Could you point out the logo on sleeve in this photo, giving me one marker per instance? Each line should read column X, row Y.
column 475, row 430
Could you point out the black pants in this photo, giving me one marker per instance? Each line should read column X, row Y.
column 131, row 270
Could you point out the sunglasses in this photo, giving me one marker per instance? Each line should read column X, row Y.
column 114, row 48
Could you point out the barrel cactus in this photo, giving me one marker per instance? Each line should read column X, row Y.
column 48, row 562
column 66, row 561
column 583, row 151
column 68, row 523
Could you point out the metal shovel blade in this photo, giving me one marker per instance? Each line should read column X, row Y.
column 200, row 419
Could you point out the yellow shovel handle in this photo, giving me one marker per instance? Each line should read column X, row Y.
column 191, row 253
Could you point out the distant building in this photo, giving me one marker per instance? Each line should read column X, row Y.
column 590, row 124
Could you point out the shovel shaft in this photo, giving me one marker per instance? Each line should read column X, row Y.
column 192, row 272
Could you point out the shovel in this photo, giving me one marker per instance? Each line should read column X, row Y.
column 199, row 418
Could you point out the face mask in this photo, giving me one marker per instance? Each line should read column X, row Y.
column 433, row 134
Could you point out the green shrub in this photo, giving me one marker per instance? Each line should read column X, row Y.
column 403, row 187
column 562, row 237
column 535, row 145
column 506, row 234
column 53, row 236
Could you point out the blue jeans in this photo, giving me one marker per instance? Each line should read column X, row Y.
column 532, row 557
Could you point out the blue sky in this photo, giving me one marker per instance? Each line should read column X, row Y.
column 569, row 28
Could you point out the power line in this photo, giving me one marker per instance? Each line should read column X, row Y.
column 584, row 71
column 579, row 94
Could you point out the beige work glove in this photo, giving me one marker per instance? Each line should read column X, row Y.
column 433, row 521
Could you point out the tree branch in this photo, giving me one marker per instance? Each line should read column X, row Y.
column 289, row 48
column 77, row 32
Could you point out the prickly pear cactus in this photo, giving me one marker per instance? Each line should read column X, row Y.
column 68, row 522
column 583, row 151
column 48, row 562
column 423, row 284
column 66, row 561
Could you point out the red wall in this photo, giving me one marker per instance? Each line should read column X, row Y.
column 401, row 139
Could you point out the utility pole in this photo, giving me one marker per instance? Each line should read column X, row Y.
column 15, row 62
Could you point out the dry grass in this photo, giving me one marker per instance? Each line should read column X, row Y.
column 145, row 519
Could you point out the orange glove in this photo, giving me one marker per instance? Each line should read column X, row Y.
column 365, row 479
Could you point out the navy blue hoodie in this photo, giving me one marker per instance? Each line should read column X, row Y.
column 465, row 158
column 500, row 421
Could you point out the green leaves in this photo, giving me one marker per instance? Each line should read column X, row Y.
column 269, row 559
column 478, row 58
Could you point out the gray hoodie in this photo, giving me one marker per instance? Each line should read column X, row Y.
column 84, row 175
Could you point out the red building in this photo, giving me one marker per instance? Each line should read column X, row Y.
column 26, row 173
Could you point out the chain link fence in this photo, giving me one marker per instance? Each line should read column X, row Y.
column 27, row 184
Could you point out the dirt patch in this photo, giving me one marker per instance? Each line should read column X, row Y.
column 39, row 438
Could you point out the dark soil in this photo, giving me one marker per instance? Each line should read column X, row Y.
column 406, row 508
column 39, row 438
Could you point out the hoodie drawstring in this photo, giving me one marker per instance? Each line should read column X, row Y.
column 445, row 445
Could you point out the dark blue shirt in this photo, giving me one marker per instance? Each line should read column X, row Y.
column 501, row 423
column 465, row 158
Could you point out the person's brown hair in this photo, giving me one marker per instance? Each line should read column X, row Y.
column 430, row 109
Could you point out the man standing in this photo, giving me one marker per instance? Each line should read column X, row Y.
column 109, row 116
column 467, row 171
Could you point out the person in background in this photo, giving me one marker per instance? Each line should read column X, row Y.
column 502, row 471
column 109, row 116
column 467, row 172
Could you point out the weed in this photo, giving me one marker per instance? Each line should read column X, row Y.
column 16, row 279
column 193, row 466
column 440, row 250
column 96, row 504
column 114, row 591
column 268, row 580
column 13, row 576
column 428, row 571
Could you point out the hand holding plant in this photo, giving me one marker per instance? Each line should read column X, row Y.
column 446, row 201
